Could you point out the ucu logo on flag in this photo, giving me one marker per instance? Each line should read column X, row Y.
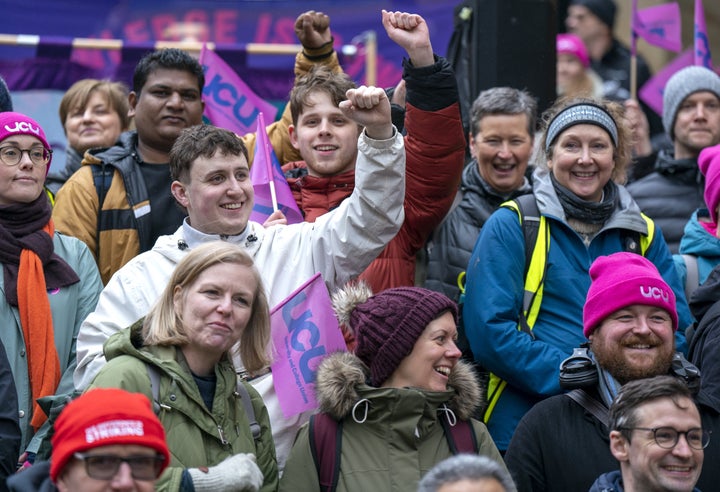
column 22, row 126
column 654, row 293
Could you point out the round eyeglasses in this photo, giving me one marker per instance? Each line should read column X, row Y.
column 11, row 156
column 667, row 437
column 106, row 466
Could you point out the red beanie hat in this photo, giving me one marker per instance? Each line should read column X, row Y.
column 709, row 163
column 104, row 417
column 19, row 124
column 621, row 280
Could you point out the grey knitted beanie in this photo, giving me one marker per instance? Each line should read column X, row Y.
column 685, row 82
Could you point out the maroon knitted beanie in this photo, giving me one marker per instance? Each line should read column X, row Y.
column 388, row 324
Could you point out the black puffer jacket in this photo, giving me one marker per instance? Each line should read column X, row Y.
column 704, row 344
column 670, row 195
column 453, row 242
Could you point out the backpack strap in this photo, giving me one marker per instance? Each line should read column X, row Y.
column 460, row 437
column 325, row 435
column 692, row 276
column 240, row 391
column 244, row 395
column 597, row 409
column 154, row 374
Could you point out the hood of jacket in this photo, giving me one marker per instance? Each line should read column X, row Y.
column 705, row 295
column 696, row 240
column 684, row 171
column 627, row 214
column 608, row 482
column 341, row 383
column 125, row 145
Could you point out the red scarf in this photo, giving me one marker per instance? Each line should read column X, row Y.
column 37, row 326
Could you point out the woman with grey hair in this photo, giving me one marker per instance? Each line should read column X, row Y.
column 580, row 211
column 468, row 473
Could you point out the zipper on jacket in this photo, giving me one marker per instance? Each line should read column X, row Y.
column 221, row 433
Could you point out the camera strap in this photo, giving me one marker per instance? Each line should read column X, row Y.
column 597, row 409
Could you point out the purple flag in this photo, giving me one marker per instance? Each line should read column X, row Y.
column 229, row 102
column 272, row 191
column 304, row 330
column 659, row 25
column 702, row 43
column 652, row 92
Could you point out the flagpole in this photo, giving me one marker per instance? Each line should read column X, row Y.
column 633, row 52
column 268, row 163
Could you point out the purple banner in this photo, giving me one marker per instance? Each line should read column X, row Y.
column 304, row 330
column 272, row 191
column 231, row 26
column 701, row 41
column 659, row 25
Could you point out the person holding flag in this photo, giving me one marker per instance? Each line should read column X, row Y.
column 210, row 172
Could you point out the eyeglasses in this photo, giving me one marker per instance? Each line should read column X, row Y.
column 106, row 466
column 667, row 437
column 11, row 156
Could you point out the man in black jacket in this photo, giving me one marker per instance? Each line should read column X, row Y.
column 562, row 444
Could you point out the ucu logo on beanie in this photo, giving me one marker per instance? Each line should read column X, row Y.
column 654, row 293
column 22, row 126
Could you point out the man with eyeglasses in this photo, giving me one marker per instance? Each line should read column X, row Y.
column 106, row 439
column 562, row 444
column 657, row 436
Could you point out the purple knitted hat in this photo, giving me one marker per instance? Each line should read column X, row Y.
column 621, row 280
column 709, row 163
column 20, row 124
column 388, row 324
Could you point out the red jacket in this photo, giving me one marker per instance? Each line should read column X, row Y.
column 435, row 153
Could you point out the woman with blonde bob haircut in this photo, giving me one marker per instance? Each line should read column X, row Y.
column 213, row 309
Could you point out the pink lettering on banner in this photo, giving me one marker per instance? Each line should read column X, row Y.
column 304, row 330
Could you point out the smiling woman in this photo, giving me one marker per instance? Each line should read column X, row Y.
column 584, row 212
column 214, row 301
column 50, row 282
column 395, row 395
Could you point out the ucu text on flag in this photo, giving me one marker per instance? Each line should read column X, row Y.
column 304, row 331
column 229, row 102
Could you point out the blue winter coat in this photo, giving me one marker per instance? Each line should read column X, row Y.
column 495, row 285
column 698, row 242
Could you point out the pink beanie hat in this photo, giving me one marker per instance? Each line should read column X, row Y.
column 572, row 44
column 19, row 124
column 621, row 280
column 709, row 163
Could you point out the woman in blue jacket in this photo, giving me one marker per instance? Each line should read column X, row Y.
column 586, row 151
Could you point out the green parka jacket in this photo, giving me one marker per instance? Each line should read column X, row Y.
column 194, row 434
column 391, row 436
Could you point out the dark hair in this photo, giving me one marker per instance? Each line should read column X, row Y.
column 5, row 99
column 621, row 152
column 205, row 141
column 624, row 409
column 170, row 58
column 320, row 78
column 503, row 100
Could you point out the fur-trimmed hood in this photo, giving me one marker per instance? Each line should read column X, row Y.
column 341, row 376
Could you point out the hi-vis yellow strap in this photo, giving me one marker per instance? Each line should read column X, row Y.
column 534, row 280
column 533, row 291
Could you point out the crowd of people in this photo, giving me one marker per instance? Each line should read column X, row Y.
column 523, row 321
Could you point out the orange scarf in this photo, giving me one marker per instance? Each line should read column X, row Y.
column 37, row 326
